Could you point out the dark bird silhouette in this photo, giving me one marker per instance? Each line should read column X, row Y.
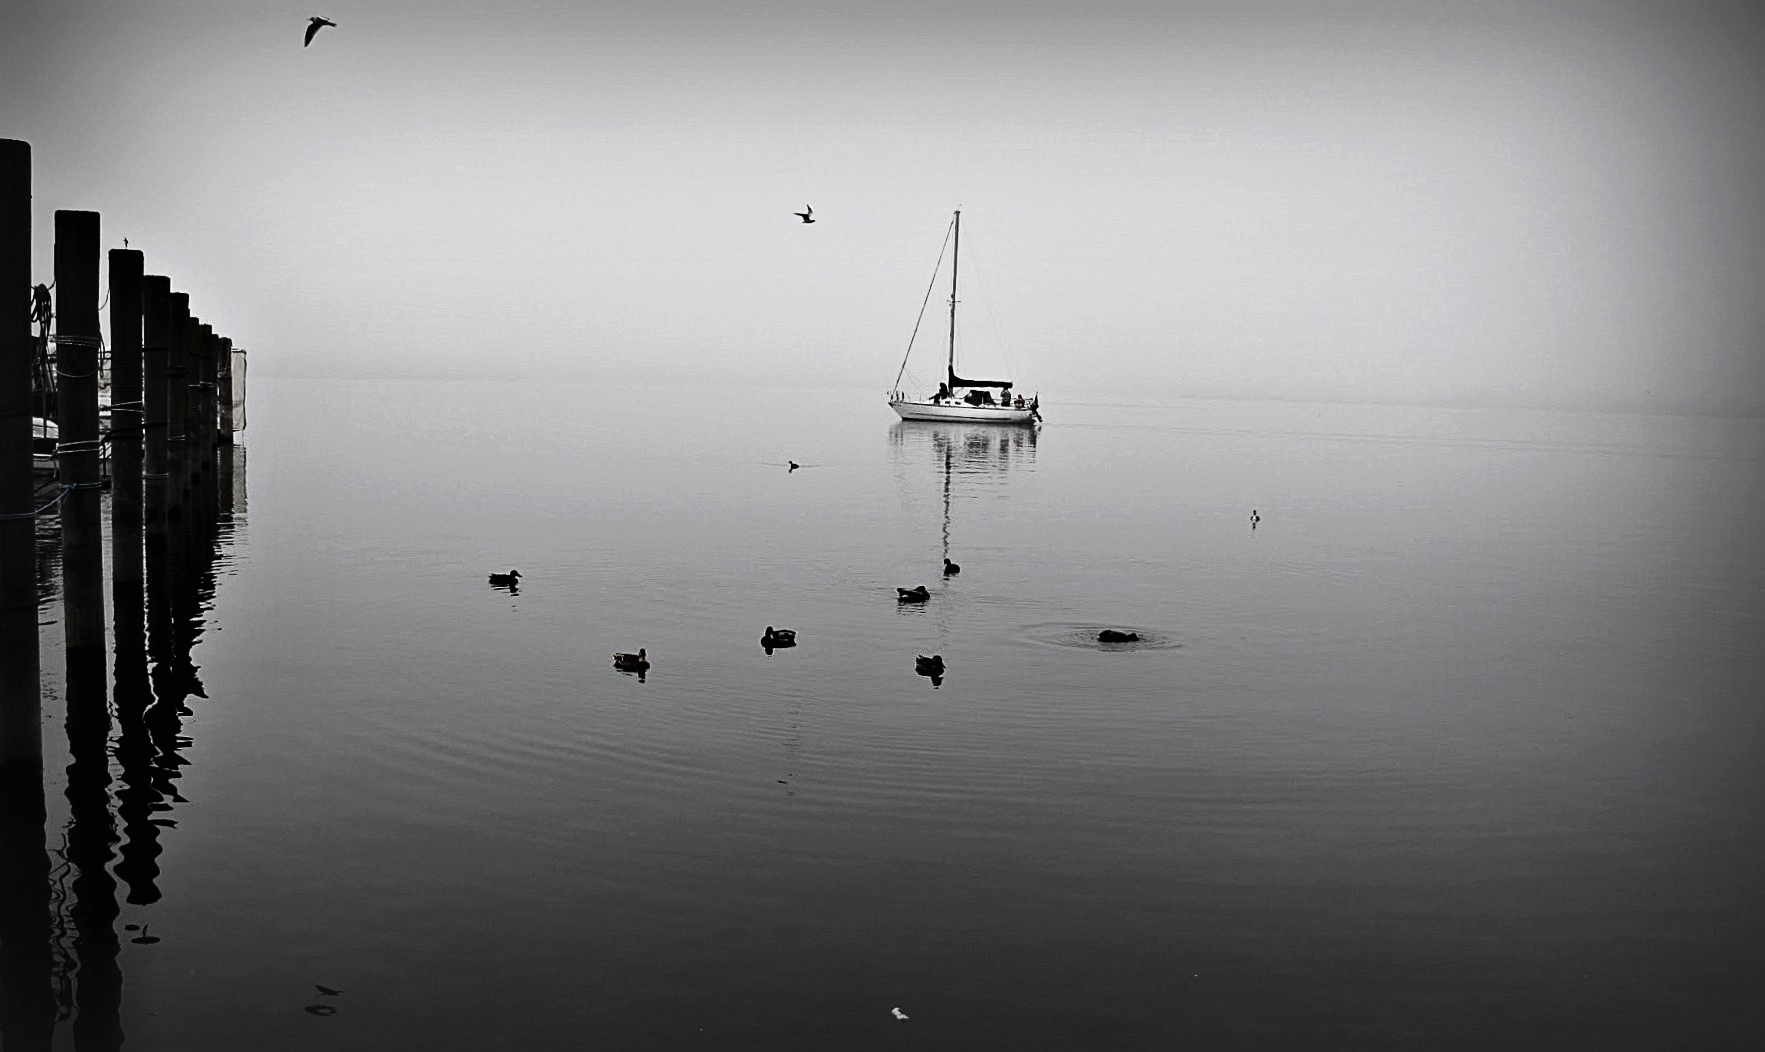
column 1254, row 518
column 793, row 466
column 326, row 990
column 916, row 594
column 1110, row 635
column 638, row 662
column 778, row 637
column 313, row 27
column 807, row 216
column 505, row 580
column 950, row 568
column 929, row 665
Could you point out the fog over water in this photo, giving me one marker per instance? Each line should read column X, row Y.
column 1402, row 391
column 1490, row 203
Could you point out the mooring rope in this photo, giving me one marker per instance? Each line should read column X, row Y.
column 13, row 516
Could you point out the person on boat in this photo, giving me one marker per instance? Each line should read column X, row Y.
column 943, row 393
column 41, row 307
column 1017, row 403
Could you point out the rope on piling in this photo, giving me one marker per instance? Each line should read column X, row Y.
column 14, row 516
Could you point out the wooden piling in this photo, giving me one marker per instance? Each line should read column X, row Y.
column 224, row 391
column 156, row 327
column 21, row 734
column 202, row 400
column 78, row 449
column 125, row 432
column 177, row 391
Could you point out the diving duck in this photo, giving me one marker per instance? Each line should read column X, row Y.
column 929, row 666
column 917, row 594
column 506, row 580
column 1110, row 635
column 778, row 637
column 637, row 662
column 950, row 568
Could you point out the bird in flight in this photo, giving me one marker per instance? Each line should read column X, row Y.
column 808, row 216
column 313, row 27
column 898, row 1013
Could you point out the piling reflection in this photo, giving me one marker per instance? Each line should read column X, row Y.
column 60, row 931
column 27, row 996
column 91, row 906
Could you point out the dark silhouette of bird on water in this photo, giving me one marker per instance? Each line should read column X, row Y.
column 793, row 466
column 313, row 27
column 807, row 216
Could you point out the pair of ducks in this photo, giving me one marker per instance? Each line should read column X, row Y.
column 640, row 661
column 920, row 593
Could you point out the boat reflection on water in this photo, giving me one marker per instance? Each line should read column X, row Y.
column 60, row 942
column 974, row 456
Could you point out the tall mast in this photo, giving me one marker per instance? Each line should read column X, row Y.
column 955, row 257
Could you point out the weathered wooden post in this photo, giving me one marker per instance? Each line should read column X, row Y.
column 156, row 325
column 21, row 733
column 202, row 395
column 27, row 996
column 177, row 401
column 125, row 435
column 224, row 390
column 76, row 369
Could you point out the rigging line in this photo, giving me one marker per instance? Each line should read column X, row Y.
column 923, row 303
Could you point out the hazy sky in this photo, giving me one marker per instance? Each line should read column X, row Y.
column 1513, row 202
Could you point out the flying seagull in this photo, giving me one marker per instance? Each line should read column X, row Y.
column 898, row 1013
column 313, row 27
column 808, row 216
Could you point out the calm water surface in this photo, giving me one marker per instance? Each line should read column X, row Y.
column 1460, row 748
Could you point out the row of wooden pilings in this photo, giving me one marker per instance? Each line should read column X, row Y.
column 171, row 409
column 171, row 414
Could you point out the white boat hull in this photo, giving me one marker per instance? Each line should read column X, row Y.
column 973, row 414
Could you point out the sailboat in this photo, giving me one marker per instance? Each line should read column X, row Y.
column 971, row 401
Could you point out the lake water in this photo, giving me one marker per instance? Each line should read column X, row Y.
column 1459, row 748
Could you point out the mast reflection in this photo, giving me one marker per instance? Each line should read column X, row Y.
column 972, row 453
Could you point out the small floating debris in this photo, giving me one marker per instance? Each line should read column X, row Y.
column 916, row 594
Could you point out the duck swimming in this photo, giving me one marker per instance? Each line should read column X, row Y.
column 637, row 662
column 930, row 666
column 917, row 594
column 506, row 580
column 1110, row 635
column 950, row 568
column 778, row 637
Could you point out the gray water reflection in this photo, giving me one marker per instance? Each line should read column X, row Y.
column 62, row 924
